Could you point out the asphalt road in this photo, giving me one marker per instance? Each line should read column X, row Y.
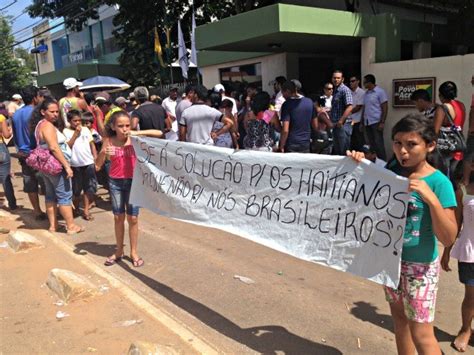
column 294, row 306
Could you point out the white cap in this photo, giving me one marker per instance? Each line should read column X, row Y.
column 71, row 83
column 16, row 97
column 219, row 88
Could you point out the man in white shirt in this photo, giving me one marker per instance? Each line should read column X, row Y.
column 279, row 99
column 196, row 122
column 219, row 88
column 357, row 138
column 14, row 105
column 169, row 104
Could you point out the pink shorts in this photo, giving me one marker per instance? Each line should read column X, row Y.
column 417, row 290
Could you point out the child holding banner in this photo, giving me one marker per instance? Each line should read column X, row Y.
column 430, row 217
column 118, row 148
column 463, row 250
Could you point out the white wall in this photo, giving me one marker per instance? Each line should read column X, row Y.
column 459, row 69
column 45, row 60
column 272, row 66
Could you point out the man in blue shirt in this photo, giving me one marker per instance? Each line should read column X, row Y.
column 22, row 135
column 374, row 114
column 341, row 108
column 298, row 116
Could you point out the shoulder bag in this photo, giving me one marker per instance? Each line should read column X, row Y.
column 450, row 138
column 41, row 158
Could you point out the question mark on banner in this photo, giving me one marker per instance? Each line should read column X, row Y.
column 397, row 249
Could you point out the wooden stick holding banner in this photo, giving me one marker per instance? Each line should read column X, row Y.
column 323, row 209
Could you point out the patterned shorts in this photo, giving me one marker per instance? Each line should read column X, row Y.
column 417, row 290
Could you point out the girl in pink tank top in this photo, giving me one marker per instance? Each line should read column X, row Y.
column 463, row 251
column 118, row 148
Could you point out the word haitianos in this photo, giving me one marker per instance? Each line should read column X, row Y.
column 324, row 209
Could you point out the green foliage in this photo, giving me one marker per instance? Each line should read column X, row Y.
column 75, row 12
column 29, row 58
column 135, row 23
column 13, row 75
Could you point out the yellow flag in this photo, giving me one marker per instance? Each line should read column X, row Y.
column 158, row 49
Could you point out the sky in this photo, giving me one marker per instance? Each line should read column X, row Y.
column 22, row 22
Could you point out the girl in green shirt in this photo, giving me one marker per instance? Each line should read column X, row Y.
column 430, row 218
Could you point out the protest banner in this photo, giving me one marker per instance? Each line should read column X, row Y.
column 325, row 209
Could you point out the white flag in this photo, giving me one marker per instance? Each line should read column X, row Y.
column 182, row 52
column 193, row 42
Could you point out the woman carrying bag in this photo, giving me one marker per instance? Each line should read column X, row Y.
column 58, row 184
column 448, row 123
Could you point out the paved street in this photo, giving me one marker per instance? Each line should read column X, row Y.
column 293, row 307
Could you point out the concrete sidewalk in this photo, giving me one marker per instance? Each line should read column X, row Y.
column 106, row 324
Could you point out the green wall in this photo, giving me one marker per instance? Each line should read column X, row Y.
column 218, row 37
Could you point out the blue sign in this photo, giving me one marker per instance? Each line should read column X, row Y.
column 42, row 48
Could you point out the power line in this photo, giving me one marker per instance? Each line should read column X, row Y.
column 51, row 28
column 34, row 36
column 27, row 27
column 66, row 8
column 16, row 17
column 49, row 36
column 6, row 7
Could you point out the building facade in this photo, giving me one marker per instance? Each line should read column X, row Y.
column 90, row 52
column 296, row 39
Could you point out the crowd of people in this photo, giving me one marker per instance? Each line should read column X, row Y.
column 88, row 135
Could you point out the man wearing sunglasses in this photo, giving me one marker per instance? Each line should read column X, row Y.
column 328, row 91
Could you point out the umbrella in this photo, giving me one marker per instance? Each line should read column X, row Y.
column 104, row 83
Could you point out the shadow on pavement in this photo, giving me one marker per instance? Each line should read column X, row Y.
column 267, row 339
column 368, row 313
column 95, row 248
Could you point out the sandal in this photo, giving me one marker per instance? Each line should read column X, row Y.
column 460, row 345
column 77, row 231
column 87, row 217
column 138, row 262
column 112, row 260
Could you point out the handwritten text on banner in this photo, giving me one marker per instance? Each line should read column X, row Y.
column 324, row 209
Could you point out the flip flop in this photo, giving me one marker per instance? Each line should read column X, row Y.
column 460, row 346
column 138, row 262
column 80, row 230
column 112, row 260
column 88, row 217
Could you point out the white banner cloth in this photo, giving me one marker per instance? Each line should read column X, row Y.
column 325, row 209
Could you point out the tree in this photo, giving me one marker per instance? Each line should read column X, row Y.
column 136, row 22
column 13, row 75
column 29, row 58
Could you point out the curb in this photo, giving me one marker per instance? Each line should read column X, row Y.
column 165, row 318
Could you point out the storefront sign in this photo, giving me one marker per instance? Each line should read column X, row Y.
column 403, row 88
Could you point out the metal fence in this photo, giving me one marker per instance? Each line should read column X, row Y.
column 84, row 55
